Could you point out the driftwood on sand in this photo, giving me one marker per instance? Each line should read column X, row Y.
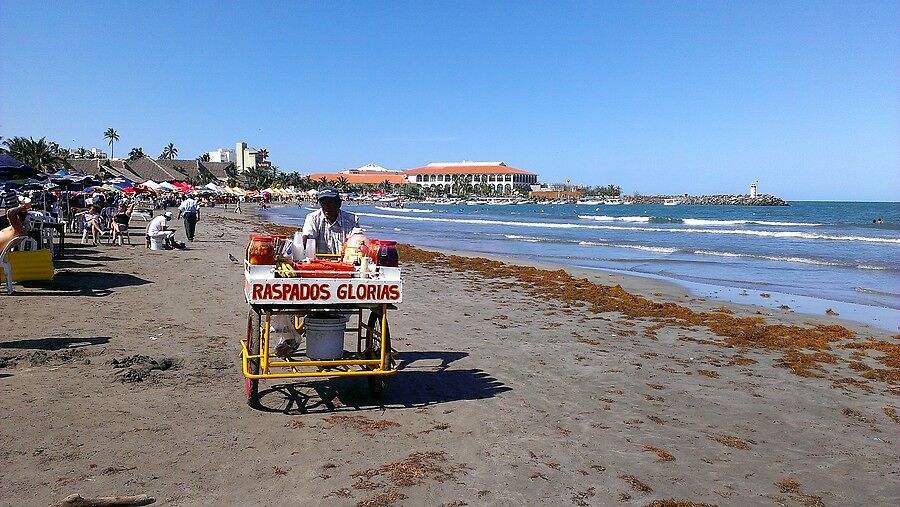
column 104, row 501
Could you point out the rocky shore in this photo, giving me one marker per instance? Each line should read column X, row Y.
column 712, row 200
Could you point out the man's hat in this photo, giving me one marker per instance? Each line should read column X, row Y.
column 327, row 192
column 168, row 215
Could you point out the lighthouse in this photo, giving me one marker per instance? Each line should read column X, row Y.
column 753, row 189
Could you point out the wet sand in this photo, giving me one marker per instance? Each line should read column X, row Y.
column 122, row 377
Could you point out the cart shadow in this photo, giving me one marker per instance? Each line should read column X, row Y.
column 410, row 388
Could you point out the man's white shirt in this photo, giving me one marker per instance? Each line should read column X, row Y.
column 329, row 237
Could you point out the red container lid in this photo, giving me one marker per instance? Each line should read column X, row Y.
column 385, row 242
column 279, row 236
column 260, row 237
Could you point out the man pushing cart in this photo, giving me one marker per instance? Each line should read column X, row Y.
column 310, row 299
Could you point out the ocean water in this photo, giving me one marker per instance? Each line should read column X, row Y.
column 827, row 251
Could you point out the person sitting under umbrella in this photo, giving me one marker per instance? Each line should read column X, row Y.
column 15, row 229
column 92, row 222
column 120, row 221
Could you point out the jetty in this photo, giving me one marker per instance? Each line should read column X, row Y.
column 711, row 200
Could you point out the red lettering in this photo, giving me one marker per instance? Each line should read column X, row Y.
column 382, row 291
column 342, row 291
column 257, row 291
column 295, row 292
column 276, row 291
column 267, row 292
column 360, row 292
column 394, row 291
column 324, row 292
column 314, row 292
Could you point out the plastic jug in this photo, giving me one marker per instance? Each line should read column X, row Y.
column 355, row 246
column 261, row 249
column 384, row 253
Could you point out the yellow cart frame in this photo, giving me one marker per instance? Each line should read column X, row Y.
column 372, row 359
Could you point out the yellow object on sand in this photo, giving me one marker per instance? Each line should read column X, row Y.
column 31, row 265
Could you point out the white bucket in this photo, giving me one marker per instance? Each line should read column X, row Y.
column 157, row 242
column 325, row 338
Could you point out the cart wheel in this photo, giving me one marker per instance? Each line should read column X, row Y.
column 253, row 340
column 378, row 383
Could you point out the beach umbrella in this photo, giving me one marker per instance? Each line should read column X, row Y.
column 13, row 170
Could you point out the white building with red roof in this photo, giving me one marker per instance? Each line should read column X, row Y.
column 443, row 176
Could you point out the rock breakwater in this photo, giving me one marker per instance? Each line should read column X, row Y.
column 712, row 200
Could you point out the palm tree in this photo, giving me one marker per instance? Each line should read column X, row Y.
column 386, row 185
column 258, row 178
column 342, row 183
column 112, row 136
column 81, row 152
column 204, row 176
column 169, row 152
column 39, row 154
column 262, row 154
column 135, row 153
column 204, row 157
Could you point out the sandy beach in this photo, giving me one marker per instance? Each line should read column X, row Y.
column 521, row 384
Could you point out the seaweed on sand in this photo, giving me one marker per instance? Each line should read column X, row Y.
column 740, row 332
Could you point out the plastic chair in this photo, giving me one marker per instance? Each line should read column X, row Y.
column 4, row 260
column 122, row 237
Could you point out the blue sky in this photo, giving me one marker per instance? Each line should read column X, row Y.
column 657, row 97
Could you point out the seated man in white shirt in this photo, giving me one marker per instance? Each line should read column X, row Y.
column 158, row 229
column 328, row 226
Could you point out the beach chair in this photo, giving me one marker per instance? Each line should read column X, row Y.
column 123, row 235
column 4, row 260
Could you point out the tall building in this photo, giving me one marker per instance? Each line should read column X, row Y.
column 222, row 155
column 244, row 157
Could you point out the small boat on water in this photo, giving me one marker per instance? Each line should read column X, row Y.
column 588, row 201
column 476, row 202
column 672, row 202
column 613, row 201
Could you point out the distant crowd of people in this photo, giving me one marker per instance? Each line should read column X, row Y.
column 101, row 213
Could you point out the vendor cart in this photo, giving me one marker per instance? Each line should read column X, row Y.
column 361, row 300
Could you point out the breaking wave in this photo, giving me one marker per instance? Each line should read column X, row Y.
column 565, row 225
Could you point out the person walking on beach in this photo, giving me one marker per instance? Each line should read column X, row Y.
column 190, row 210
column 329, row 226
column 237, row 205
